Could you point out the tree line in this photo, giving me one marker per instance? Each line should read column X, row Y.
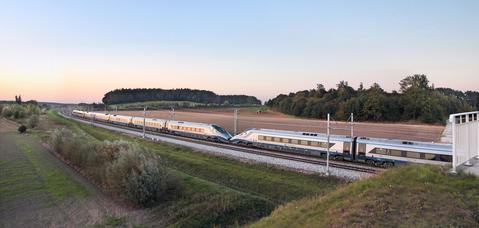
column 416, row 100
column 121, row 96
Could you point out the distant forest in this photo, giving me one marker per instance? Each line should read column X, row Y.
column 121, row 96
column 415, row 101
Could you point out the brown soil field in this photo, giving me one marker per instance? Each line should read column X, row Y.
column 248, row 118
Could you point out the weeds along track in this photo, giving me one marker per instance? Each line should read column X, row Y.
column 281, row 155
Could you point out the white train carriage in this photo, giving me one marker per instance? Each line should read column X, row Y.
column 89, row 115
column 102, row 116
column 198, row 130
column 78, row 113
column 121, row 120
column 152, row 124
column 389, row 152
column 296, row 142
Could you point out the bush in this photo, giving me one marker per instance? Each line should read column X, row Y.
column 22, row 129
column 13, row 111
column 33, row 121
column 121, row 167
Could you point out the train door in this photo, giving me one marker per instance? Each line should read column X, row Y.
column 347, row 151
column 361, row 149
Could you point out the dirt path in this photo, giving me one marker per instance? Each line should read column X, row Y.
column 248, row 118
column 38, row 190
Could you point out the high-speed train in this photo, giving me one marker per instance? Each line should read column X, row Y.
column 189, row 129
column 373, row 151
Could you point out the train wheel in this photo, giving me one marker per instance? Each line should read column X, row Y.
column 370, row 162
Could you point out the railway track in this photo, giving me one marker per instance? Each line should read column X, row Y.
column 263, row 152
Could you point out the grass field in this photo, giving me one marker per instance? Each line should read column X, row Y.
column 219, row 190
column 410, row 196
column 36, row 189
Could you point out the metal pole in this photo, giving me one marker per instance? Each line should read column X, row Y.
column 453, row 120
column 352, row 135
column 235, row 121
column 468, row 123
column 144, row 121
column 172, row 113
column 327, row 151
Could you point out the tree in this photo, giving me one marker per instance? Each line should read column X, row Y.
column 416, row 101
column 18, row 99
column 417, row 81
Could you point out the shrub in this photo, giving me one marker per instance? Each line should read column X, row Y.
column 22, row 129
column 33, row 121
column 7, row 111
column 121, row 167
column 18, row 112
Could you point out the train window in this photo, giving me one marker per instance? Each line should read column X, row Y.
column 446, row 158
column 379, row 151
column 314, row 143
column 294, row 141
column 260, row 137
column 268, row 138
column 362, row 148
column 346, row 147
column 277, row 139
column 413, row 154
column 285, row 140
column 463, row 118
column 304, row 142
column 429, row 156
column 396, row 153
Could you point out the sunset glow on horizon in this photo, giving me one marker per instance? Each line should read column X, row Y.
column 78, row 51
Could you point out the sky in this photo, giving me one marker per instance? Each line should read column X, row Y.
column 76, row 51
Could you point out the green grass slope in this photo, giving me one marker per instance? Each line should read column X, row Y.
column 409, row 196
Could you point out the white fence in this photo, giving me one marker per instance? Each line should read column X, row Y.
column 465, row 137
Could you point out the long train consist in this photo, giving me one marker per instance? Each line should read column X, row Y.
column 373, row 151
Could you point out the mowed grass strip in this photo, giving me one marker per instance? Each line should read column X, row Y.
column 54, row 178
column 271, row 183
column 408, row 196
column 31, row 181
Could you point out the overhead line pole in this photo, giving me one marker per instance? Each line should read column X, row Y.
column 172, row 113
column 235, row 121
column 144, row 121
column 327, row 150
column 352, row 132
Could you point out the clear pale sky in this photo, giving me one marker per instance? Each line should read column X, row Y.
column 75, row 51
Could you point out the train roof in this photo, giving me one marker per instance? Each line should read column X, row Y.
column 437, row 147
column 300, row 134
column 191, row 124
column 149, row 119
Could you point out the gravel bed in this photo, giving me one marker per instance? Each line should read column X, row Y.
column 243, row 156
